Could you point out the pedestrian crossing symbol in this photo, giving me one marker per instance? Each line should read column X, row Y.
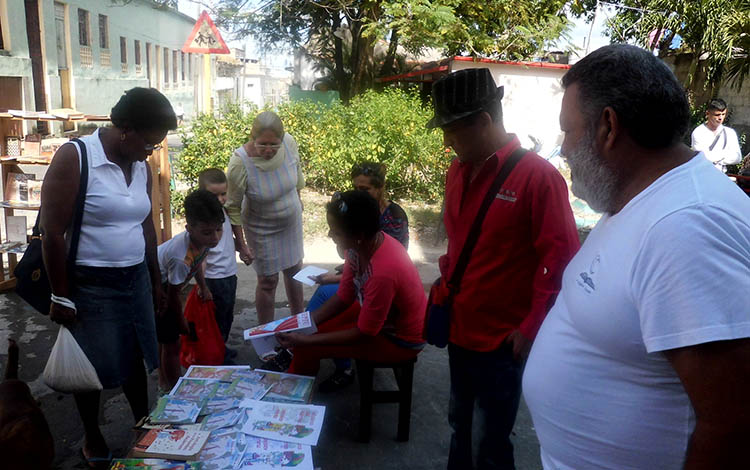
column 205, row 38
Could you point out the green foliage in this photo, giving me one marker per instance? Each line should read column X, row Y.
column 386, row 127
column 209, row 142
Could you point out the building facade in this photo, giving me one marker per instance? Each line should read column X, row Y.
column 83, row 54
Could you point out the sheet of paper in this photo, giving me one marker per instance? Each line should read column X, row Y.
column 303, row 275
column 223, row 373
column 298, row 424
column 265, row 454
column 16, row 226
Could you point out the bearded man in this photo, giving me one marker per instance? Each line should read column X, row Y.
column 644, row 360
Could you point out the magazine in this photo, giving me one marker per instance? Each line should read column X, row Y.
column 175, row 410
column 255, row 376
column 222, row 419
column 154, row 464
column 288, row 388
column 247, row 388
column 17, row 187
column 298, row 424
column 15, row 226
column 263, row 339
column 176, row 444
column 222, row 444
column 217, row 404
column 265, row 454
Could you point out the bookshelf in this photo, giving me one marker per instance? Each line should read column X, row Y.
column 11, row 125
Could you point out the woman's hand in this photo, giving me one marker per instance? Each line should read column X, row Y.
column 246, row 255
column 327, row 278
column 62, row 315
column 205, row 294
column 289, row 340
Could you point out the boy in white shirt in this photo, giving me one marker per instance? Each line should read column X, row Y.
column 221, row 265
column 180, row 259
column 718, row 142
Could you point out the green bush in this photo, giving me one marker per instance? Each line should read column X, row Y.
column 387, row 127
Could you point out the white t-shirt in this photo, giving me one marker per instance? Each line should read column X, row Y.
column 669, row 270
column 221, row 261
column 179, row 260
column 725, row 152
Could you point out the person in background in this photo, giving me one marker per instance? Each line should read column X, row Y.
column 264, row 181
column 718, row 142
column 114, row 295
column 514, row 272
column 370, row 177
column 180, row 259
column 644, row 360
column 221, row 264
column 378, row 312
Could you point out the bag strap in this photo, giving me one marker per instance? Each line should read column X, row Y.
column 79, row 206
column 473, row 237
column 716, row 140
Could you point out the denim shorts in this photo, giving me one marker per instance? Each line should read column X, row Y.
column 115, row 321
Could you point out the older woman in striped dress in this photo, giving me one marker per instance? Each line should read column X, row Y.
column 264, row 180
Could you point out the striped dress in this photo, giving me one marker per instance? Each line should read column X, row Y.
column 272, row 213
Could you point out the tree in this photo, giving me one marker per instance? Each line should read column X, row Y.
column 715, row 32
column 360, row 40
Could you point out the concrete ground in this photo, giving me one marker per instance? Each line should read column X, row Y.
column 337, row 449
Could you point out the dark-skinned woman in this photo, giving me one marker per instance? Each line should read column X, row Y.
column 115, row 284
column 378, row 311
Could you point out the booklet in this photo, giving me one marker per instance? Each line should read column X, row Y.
column 265, row 454
column 175, row 410
column 298, row 424
column 217, row 404
column 263, row 339
column 304, row 274
column 223, row 373
column 15, row 226
column 222, row 444
column 154, row 464
column 288, row 388
column 176, row 444
column 255, row 376
column 17, row 187
column 247, row 388
column 194, row 389
column 222, row 419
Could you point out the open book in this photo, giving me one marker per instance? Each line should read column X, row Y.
column 263, row 339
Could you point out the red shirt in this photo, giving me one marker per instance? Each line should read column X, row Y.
column 526, row 240
column 389, row 290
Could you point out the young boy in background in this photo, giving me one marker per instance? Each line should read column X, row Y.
column 180, row 259
column 221, row 263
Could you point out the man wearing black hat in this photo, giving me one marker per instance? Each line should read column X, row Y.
column 514, row 271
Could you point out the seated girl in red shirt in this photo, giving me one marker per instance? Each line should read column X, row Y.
column 377, row 314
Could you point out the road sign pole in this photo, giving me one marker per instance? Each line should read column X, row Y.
column 207, row 84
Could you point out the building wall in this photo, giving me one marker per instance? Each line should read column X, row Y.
column 532, row 101
column 15, row 61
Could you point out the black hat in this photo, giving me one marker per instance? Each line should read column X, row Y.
column 461, row 94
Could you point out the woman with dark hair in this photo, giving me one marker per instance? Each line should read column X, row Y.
column 378, row 311
column 116, row 281
column 369, row 177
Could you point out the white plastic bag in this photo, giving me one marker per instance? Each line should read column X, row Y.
column 68, row 370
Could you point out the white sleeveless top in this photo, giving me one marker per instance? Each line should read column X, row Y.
column 111, row 231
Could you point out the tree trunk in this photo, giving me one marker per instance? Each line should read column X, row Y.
column 338, row 57
column 390, row 58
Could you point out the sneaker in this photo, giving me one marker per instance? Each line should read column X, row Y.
column 340, row 379
column 279, row 363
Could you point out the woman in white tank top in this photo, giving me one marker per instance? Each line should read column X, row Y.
column 115, row 283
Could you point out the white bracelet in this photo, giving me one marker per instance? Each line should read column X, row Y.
column 64, row 301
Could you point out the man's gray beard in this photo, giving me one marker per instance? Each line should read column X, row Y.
column 591, row 179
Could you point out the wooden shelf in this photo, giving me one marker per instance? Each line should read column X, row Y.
column 23, row 160
column 19, row 206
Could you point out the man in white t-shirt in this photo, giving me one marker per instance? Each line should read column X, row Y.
column 718, row 142
column 644, row 360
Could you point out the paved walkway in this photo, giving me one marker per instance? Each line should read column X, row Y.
column 337, row 449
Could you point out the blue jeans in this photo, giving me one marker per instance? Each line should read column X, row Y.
column 321, row 296
column 492, row 380
column 224, row 292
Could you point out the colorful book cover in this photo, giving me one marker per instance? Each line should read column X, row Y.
column 217, row 404
column 223, row 450
column 222, row 373
column 154, row 464
column 222, row 419
column 175, row 410
column 194, row 389
column 248, row 389
column 175, row 444
column 255, row 376
column 265, row 454
column 298, row 424
column 288, row 388
column 292, row 323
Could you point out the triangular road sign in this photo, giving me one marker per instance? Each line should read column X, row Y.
column 205, row 38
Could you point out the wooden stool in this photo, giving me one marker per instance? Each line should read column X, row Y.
column 404, row 373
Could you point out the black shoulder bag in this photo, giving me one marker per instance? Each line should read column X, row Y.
column 32, row 284
column 438, row 316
